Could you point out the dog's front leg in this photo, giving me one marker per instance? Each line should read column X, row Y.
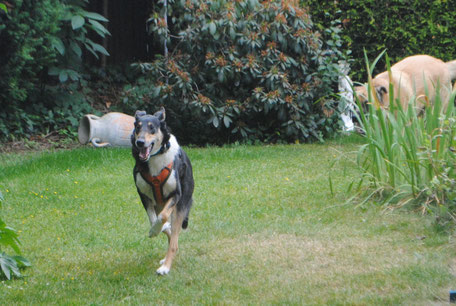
column 160, row 223
column 152, row 219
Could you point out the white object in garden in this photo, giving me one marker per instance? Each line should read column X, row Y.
column 111, row 130
column 346, row 97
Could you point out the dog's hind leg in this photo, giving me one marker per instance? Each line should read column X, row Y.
column 173, row 246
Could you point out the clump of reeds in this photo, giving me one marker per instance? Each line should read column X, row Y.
column 409, row 157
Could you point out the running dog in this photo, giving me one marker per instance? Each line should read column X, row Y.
column 164, row 179
column 411, row 77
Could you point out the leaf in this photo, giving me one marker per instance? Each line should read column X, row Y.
column 5, row 268
column 63, row 76
column 89, row 47
column 76, row 49
column 58, row 45
column 98, row 48
column 8, row 237
column 8, row 264
column 101, row 49
column 221, row 76
column 77, row 21
column 212, row 28
column 74, row 76
column 232, row 34
column 22, row 261
column 94, row 16
column 99, row 28
column 3, row 8
column 215, row 122
column 227, row 121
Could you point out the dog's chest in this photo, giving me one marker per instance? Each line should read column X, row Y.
column 167, row 188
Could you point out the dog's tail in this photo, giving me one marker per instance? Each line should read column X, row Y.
column 452, row 68
column 185, row 223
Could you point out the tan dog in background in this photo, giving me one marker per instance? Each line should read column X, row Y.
column 410, row 77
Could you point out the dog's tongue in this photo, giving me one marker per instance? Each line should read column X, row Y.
column 144, row 153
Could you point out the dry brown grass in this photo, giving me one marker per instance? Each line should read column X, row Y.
column 317, row 257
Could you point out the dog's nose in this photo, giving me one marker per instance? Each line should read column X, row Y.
column 139, row 143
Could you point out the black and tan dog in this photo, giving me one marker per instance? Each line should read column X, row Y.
column 164, row 180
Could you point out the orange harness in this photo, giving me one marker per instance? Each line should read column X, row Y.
column 157, row 182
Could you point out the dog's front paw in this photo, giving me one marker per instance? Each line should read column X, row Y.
column 166, row 227
column 162, row 261
column 163, row 270
column 156, row 228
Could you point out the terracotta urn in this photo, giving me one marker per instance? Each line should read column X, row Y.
column 111, row 130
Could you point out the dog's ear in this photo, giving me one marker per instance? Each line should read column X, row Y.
column 139, row 114
column 161, row 115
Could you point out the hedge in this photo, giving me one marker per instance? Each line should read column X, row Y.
column 402, row 27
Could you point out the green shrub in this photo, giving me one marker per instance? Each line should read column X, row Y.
column 41, row 65
column 401, row 27
column 9, row 265
column 25, row 48
column 410, row 159
column 241, row 70
column 73, row 38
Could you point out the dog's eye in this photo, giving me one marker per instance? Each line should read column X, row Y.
column 151, row 128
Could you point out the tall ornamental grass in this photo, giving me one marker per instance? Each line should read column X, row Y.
column 409, row 158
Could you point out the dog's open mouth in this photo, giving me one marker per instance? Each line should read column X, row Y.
column 144, row 153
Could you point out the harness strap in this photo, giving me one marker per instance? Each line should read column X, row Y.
column 157, row 182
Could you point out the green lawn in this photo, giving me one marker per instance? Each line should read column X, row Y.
column 264, row 229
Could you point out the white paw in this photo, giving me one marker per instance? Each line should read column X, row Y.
column 166, row 226
column 162, row 261
column 163, row 270
column 155, row 229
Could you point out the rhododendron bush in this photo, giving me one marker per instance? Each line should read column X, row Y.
column 240, row 71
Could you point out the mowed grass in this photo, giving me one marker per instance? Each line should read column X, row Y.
column 265, row 228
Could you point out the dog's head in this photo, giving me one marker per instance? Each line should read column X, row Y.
column 381, row 91
column 150, row 134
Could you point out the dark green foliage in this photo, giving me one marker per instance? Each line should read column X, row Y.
column 402, row 27
column 25, row 52
column 240, row 71
column 25, row 48
column 9, row 265
column 42, row 45
column 73, row 38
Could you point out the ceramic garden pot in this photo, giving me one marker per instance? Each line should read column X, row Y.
column 112, row 129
